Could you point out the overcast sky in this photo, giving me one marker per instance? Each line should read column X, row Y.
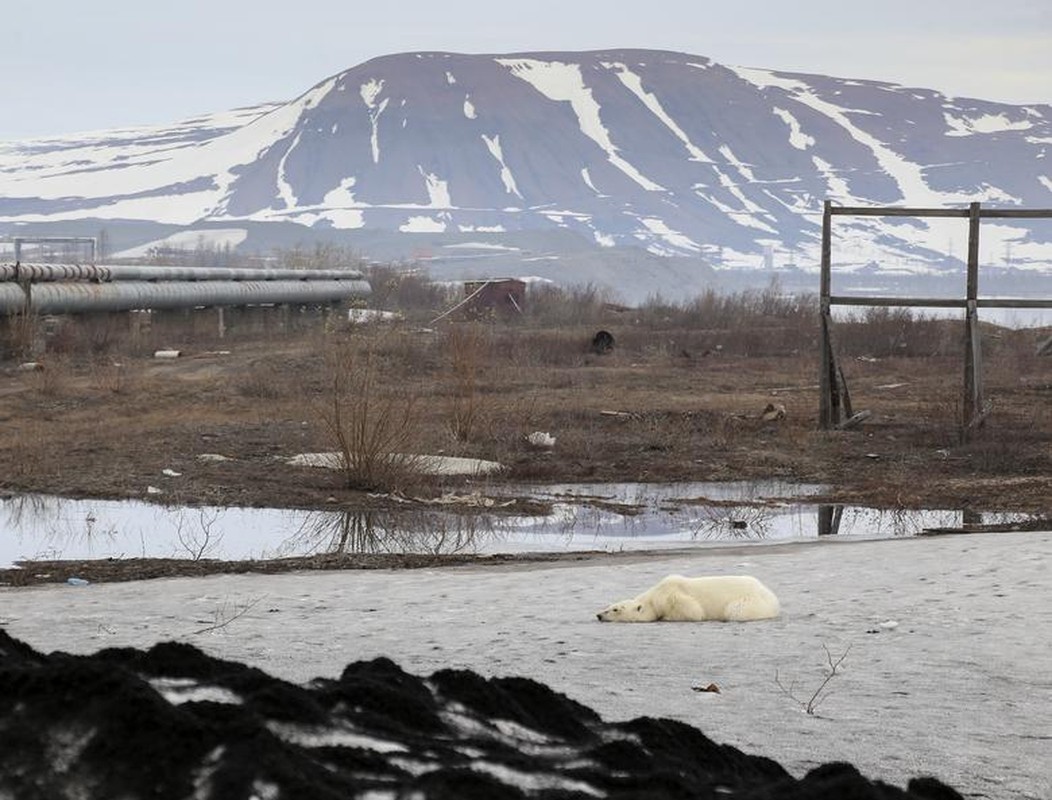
column 70, row 65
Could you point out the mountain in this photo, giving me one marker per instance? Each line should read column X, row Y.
column 646, row 170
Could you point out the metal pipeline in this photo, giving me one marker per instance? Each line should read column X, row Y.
column 134, row 272
column 75, row 298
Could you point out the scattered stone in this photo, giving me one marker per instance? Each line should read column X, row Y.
column 773, row 411
column 540, row 440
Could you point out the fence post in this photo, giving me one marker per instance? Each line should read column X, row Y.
column 972, row 410
column 826, row 375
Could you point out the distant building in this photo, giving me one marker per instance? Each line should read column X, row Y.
column 504, row 296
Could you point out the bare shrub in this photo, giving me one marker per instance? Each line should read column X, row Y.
column 407, row 291
column 552, row 305
column 199, row 540
column 832, row 670
column 116, row 376
column 53, row 377
column 373, row 427
column 19, row 336
column 467, row 350
column 887, row 332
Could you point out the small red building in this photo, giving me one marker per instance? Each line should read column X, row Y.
column 504, row 296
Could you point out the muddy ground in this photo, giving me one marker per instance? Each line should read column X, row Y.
column 673, row 404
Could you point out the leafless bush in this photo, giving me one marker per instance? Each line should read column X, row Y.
column 408, row 291
column 372, row 427
column 227, row 612
column 19, row 336
column 551, row 305
column 198, row 540
column 467, row 346
column 810, row 704
column 117, row 376
column 888, row 332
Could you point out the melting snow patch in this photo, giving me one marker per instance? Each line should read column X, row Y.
column 987, row 123
column 634, row 84
column 533, row 781
column 672, row 237
column 308, row 736
column 422, row 225
column 493, row 144
column 184, row 690
column 481, row 246
column 564, row 83
column 437, row 190
column 189, row 240
column 426, row 464
column 797, row 138
column 469, row 109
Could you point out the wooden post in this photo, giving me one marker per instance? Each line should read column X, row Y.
column 826, row 373
column 829, row 519
column 972, row 401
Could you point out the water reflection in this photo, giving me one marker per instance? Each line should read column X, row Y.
column 380, row 532
column 551, row 519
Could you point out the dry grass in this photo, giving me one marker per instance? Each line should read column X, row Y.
column 371, row 425
column 679, row 397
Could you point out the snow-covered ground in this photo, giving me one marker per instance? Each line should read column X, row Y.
column 947, row 666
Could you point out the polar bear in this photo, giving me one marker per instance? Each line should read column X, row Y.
column 678, row 599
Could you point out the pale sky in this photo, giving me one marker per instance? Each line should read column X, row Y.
column 70, row 65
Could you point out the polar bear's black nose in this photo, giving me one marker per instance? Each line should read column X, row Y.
column 599, row 617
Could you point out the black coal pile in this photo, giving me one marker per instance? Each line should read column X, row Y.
column 172, row 722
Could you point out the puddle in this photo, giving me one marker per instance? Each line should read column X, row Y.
column 579, row 517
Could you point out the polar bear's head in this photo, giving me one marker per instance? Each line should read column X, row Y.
column 634, row 610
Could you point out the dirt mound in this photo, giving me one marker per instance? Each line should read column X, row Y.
column 172, row 722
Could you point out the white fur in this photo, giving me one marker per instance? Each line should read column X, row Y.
column 674, row 598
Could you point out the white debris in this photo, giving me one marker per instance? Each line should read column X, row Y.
column 361, row 316
column 154, row 490
column 541, row 440
column 171, row 473
column 423, row 464
column 213, row 457
column 167, row 353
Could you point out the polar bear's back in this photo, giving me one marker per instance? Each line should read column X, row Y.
column 714, row 597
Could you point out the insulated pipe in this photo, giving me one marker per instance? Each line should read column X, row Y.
column 53, row 272
column 12, row 298
column 136, row 272
column 75, row 298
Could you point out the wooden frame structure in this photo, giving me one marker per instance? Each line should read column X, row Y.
column 834, row 404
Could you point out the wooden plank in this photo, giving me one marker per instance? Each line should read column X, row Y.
column 1016, row 213
column 973, row 252
column 825, row 358
column 898, row 211
column 854, row 420
column 894, row 211
column 825, row 369
column 827, row 250
column 937, row 302
column 1013, row 302
column 927, row 302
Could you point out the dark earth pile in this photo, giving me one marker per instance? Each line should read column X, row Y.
column 172, row 722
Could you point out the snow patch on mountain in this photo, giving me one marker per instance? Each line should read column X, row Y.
column 204, row 238
column 493, row 145
column 634, row 84
column 564, row 82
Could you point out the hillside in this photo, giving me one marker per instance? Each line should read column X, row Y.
column 541, row 163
